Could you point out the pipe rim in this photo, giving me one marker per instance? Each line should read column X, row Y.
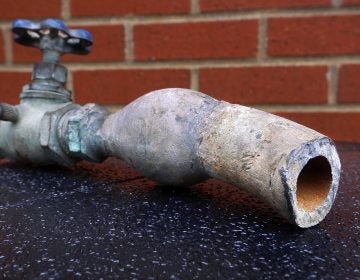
column 307, row 214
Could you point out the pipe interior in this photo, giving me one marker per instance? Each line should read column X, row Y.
column 313, row 183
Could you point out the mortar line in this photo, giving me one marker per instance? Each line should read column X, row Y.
column 219, row 16
column 194, row 7
column 186, row 64
column 262, row 39
column 65, row 9
column 7, row 46
column 240, row 63
column 225, row 16
column 333, row 84
column 312, row 61
column 129, row 42
column 70, row 83
column 114, row 108
column 194, row 79
column 15, row 68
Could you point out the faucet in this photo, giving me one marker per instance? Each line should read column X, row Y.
column 178, row 137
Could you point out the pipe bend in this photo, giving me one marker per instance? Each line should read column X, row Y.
column 180, row 137
column 273, row 158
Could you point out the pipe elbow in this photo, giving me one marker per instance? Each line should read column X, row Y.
column 180, row 137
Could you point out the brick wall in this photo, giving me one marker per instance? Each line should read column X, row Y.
column 299, row 59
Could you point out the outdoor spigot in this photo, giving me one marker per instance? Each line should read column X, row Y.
column 177, row 137
column 28, row 131
column 54, row 39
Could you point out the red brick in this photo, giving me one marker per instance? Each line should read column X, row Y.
column 128, row 7
column 349, row 84
column 2, row 50
column 351, row 2
column 266, row 85
column 201, row 40
column 123, row 86
column 233, row 5
column 321, row 35
column 338, row 126
column 108, row 46
column 11, row 84
column 10, row 9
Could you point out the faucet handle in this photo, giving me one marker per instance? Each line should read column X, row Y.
column 52, row 36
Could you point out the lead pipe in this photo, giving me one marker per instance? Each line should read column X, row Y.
column 181, row 137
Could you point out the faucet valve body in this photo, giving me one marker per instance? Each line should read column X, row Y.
column 30, row 129
column 177, row 137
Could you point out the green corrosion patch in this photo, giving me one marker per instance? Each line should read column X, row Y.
column 74, row 136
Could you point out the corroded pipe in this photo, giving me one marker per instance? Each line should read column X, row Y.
column 180, row 137
column 177, row 137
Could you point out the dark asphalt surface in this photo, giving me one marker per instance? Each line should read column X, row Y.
column 105, row 221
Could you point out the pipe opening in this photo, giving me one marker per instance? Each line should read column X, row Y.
column 313, row 183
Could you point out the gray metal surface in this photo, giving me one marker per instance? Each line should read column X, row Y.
column 105, row 221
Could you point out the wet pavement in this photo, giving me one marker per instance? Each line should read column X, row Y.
column 106, row 221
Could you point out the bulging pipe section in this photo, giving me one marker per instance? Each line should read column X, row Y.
column 181, row 137
column 159, row 134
